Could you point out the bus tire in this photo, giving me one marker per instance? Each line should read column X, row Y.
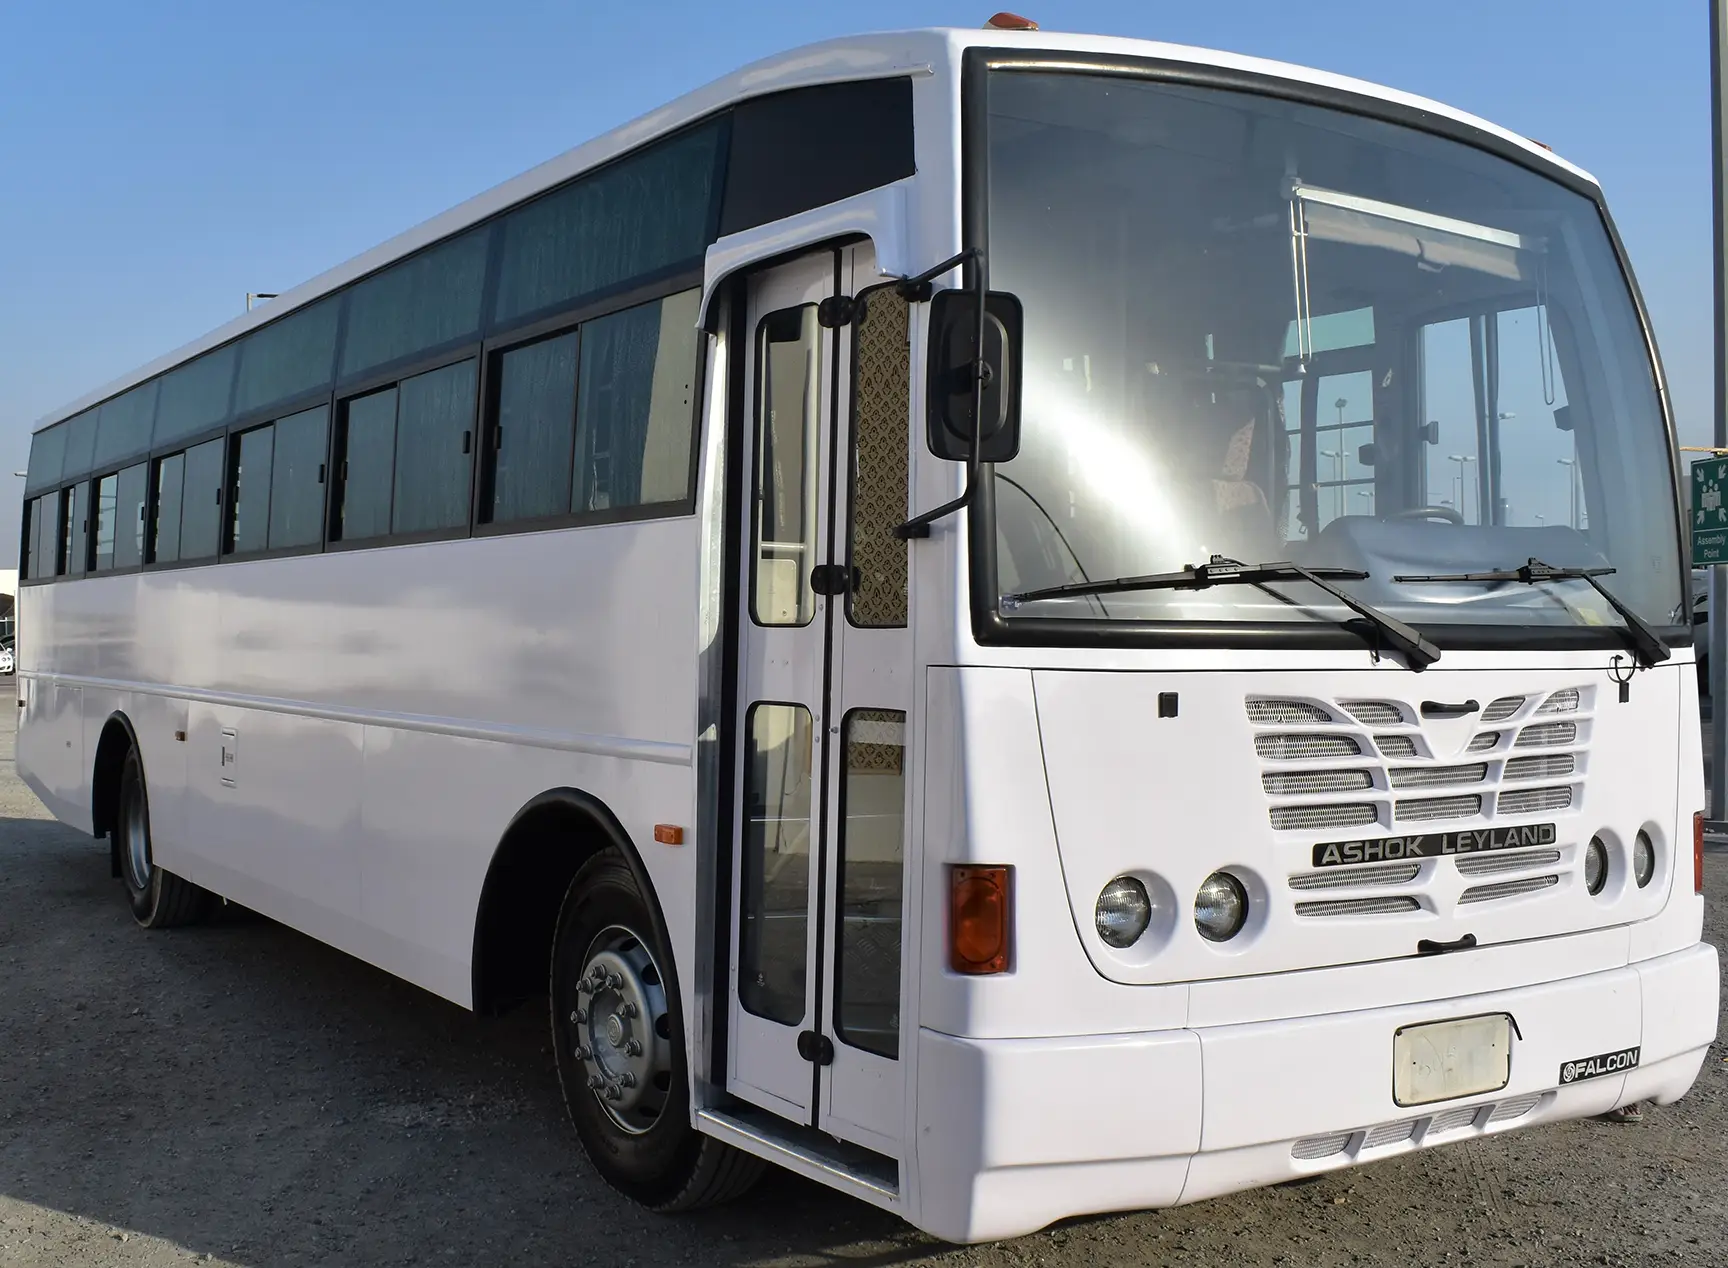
column 158, row 898
column 618, row 1039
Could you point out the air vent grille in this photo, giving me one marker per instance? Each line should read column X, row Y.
column 1386, row 906
column 1291, row 748
column 1565, row 701
column 1502, row 708
column 1375, row 712
column 1482, row 743
column 1544, row 733
column 1296, row 782
column 1438, row 776
column 1439, row 808
column 1285, row 712
column 1517, row 1107
column 1396, row 745
column 1389, row 1134
column 1357, row 877
column 1542, row 766
column 1320, row 1146
column 1453, row 1119
column 1529, row 801
column 1507, row 889
column 1516, row 861
column 1306, row 818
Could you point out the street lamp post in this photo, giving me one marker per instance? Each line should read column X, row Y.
column 1463, row 483
column 1337, row 456
column 1571, row 465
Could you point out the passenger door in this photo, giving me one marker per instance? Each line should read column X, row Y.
column 824, row 691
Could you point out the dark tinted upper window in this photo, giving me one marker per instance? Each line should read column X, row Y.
column 536, row 425
column 288, row 358
column 434, row 435
column 47, row 458
column 425, row 302
column 80, row 444
column 640, row 216
column 809, row 147
column 124, row 425
column 195, row 397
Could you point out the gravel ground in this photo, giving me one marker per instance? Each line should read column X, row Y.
column 239, row 1094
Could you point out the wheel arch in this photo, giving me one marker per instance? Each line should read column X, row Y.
column 538, row 855
column 118, row 738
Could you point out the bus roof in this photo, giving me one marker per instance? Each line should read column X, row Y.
column 853, row 57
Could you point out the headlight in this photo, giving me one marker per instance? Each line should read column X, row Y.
column 1221, row 907
column 1643, row 860
column 1595, row 866
column 1123, row 912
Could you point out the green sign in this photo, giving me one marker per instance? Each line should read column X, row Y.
column 1709, row 511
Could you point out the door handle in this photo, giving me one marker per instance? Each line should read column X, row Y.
column 1437, row 709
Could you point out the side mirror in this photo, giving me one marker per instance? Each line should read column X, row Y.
column 953, row 354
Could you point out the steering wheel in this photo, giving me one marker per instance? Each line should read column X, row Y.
column 1448, row 513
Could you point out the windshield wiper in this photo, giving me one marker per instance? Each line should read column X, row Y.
column 1647, row 646
column 1418, row 652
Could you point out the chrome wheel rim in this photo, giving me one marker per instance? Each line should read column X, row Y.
column 135, row 837
column 620, row 1032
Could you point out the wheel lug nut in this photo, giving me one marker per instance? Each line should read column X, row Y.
column 614, row 1094
column 579, row 1016
column 626, row 1079
column 633, row 1047
column 584, row 1052
column 595, row 1082
column 630, row 1010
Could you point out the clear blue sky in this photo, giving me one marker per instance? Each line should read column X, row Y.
column 159, row 161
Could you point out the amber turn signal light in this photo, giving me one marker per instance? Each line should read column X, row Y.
column 980, row 919
column 1698, row 852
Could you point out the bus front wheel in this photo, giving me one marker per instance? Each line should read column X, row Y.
column 619, row 1044
column 159, row 899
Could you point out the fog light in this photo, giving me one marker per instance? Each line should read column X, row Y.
column 1123, row 912
column 1221, row 907
column 1643, row 860
column 1596, row 866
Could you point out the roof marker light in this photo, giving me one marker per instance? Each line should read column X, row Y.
column 1010, row 22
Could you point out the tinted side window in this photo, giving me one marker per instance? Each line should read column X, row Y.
column 125, row 424
column 297, row 479
column 288, row 357
column 434, row 448
column 808, row 147
column 425, row 302
column 195, row 396
column 77, row 512
column 80, row 444
column 170, row 481
column 134, row 485
column 35, row 512
column 107, row 499
column 367, row 444
column 635, row 406
column 201, row 511
column 644, row 215
column 47, row 458
column 249, row 489
column 536, row 424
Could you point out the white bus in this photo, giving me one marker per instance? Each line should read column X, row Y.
column 1221, row 713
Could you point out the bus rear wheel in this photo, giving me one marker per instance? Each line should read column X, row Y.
column 618, row 1038
column 159, row 899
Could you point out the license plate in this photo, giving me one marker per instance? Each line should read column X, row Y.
column 1445, row 1059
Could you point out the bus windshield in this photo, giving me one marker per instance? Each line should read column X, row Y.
column 1270, row 331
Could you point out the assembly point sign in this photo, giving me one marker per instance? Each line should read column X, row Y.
column 1709, row 515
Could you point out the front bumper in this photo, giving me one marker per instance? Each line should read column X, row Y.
column 1016, row 1133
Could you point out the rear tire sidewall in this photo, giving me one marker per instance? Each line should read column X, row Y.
column 655, row 1166
column 134, row 800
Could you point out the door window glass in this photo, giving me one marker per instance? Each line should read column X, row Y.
column 774, row 902
column 788, row 408
column 434, row 448
column 880, row 412
column 872, row 865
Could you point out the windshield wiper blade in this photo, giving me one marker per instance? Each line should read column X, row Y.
column 1647, row 645
column 1418, row 652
